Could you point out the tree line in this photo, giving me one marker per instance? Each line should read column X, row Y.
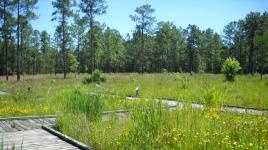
column 82, row 44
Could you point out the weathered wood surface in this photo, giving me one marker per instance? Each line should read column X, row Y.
column 32, row 140
column 28, row 133
column 13, row 125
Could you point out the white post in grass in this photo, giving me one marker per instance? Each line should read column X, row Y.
column 137, row 91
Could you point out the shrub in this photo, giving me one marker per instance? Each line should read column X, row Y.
column 95, row 77
column 230, row 68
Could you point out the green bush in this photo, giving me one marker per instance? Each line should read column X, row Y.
column 230, row 68
column 95, row 77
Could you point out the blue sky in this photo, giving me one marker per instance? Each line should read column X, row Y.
column 204, row 13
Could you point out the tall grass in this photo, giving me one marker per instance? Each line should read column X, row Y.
column 149, row 127
column 195, row 129
column 79, row 101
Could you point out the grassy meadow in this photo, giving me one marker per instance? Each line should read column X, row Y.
column 148, row 127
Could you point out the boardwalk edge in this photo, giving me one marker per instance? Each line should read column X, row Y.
column 67, row 138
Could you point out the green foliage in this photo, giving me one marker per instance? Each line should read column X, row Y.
column 112, row 56
column 145, row 125
column 266, row 83
column 261, row 43
column 143, row 16
column 211, row 97
column 230, row 68
column 20, row 93
column 3, row 85
column 193, row 53
column 148, row 127
column 80, row 102
column 184, row 82
column 73, row 62
column 95, row 77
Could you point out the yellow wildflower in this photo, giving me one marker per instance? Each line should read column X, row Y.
column 45, row 109
column 215, row 116
column 213, row 109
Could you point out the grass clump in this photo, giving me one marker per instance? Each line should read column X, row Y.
column 184, row 83
column 81, row 102
column 211, row 97
column 145, row 126
column 191, row 129
column 94, row 78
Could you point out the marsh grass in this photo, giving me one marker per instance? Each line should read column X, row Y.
column 149, row 127
column 81, row 102
column 212, row 97
column 153, row 128
column 179, row 129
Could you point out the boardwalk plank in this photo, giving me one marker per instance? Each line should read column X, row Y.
column 35, row 124
column 35, row 139
column 2, row 128
column 27, row 133
column 8, row 127
column 28, row 124
column 17, row 123
column 37, row 121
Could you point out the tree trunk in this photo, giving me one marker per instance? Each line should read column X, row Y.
column 109, row 56
column 142, row 49
column 262, row 61
column 6, row 42
column 78, row 54
column 34, row 63
column 21, row 51
column 56, row 62
column 91, row 45
column 18, row 41
column 63, row 45
column 251, row 55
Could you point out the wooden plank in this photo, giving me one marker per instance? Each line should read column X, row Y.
column 36, row 124
column 32, row 136
column 8, row 127
column 37, row 121
column 17, row 123
column 35, row 139
column 41, row 121
column 45, row 121
column 67, row 139
column 2, row 127
column 28, row 117
column 51, row 121
column 28, row 124
column 16, row 126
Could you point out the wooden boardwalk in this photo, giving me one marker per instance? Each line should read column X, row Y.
column 29, row 134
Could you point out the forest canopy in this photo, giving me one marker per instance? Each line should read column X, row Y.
column 151, row 47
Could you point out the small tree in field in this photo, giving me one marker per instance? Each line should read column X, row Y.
column 230, row 68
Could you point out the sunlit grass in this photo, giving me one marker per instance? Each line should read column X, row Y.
column 148, row 127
